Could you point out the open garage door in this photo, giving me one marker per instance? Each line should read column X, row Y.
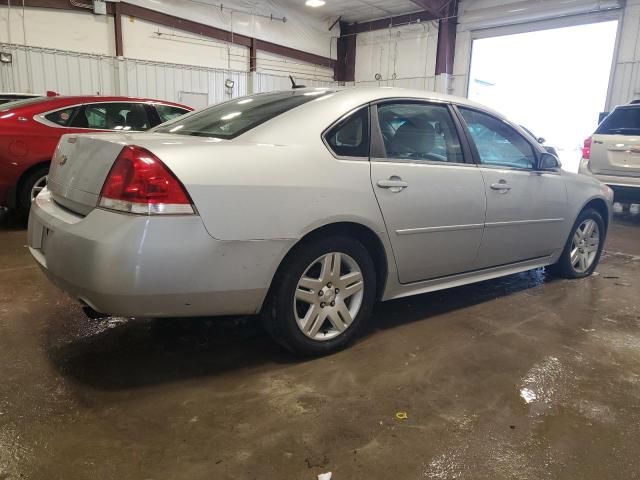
column 553, row 81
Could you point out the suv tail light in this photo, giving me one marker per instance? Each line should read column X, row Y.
column 586, row 149
column 139, row 182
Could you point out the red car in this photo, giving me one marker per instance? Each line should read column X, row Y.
column 30, row 130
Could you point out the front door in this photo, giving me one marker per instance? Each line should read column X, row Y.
column 526, row 208
column 432, row 201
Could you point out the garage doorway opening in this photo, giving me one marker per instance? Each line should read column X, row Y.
column 554, row 82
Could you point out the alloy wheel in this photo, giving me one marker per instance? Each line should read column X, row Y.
column 584, row 246
column 328, row 296
column 38, row 186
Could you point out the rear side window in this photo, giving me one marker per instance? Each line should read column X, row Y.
column 350, row 137
column 622, row 121
column 169, row 112
column 62, row 117
column 235, row 117
column 112, row 116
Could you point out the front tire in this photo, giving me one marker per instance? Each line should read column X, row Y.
column 321, row 295
column 582, row 252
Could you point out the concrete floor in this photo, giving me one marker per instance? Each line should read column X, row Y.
column 523, row 377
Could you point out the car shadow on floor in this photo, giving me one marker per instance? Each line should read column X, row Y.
column 115, row 353
column 10, row 220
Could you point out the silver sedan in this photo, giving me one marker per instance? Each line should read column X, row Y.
column 307, row 207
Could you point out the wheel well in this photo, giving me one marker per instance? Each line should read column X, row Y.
column 26, row 173
column 363, row 234
column 601, row 207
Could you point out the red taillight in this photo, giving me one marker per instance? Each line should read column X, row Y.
column 586, row 149
column 139, row 182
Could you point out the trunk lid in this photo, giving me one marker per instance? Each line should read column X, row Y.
column 79, row 167
column 81, row 163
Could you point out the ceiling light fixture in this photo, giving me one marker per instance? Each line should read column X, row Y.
column 314, row 3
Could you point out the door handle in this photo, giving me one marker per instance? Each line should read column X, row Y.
column 502, row 186
column 394, row 184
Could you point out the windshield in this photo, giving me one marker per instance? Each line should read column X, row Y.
column 235, row 117
column 19, row 103
column 622, row 121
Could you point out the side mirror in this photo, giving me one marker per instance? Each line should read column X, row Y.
column 549, row 162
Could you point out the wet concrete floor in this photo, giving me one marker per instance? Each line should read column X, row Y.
column 524, row 377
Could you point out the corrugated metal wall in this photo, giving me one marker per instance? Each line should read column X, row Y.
column 37, row 70
column 70, row 73
column 266, row 82
column 427, row 83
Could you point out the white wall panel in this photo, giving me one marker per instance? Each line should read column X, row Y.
column 50, row 28
column 85, row 32
column 147, row 41
column 276, row 65
column 403, row 56
column 167, row 81
column 300, row 31
column 40, row 69
column 266, row 82
column 71, row 73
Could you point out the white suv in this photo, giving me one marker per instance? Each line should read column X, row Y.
column 612, row 153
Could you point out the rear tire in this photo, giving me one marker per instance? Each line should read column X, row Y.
column 321, row 295
column 582, row 252
column 32, row 183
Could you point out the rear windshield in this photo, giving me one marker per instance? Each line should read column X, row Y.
column 235, row 117
column 622, row 121
column 19, row 103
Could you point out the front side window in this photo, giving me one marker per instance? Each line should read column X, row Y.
column 169, row 112
column 498, row 143
column 350, row 137
column 235, row 117
column 63, row 117
column 419, row 131
column 622, row 121
column 113, row 116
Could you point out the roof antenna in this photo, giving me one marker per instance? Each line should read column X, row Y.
column 294, row 85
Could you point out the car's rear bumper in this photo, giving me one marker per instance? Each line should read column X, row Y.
column 135, row 266
column 625, row 188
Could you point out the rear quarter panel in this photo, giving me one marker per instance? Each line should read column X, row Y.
column 266, row 191
column 278, row 180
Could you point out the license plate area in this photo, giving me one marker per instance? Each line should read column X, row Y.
column 38, row 235
column 46, row 233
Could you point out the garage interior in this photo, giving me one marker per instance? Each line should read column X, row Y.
column 526, row 376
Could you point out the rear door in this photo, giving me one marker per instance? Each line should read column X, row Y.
column 431, row 197
column 615, row 147
column 526, row 208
